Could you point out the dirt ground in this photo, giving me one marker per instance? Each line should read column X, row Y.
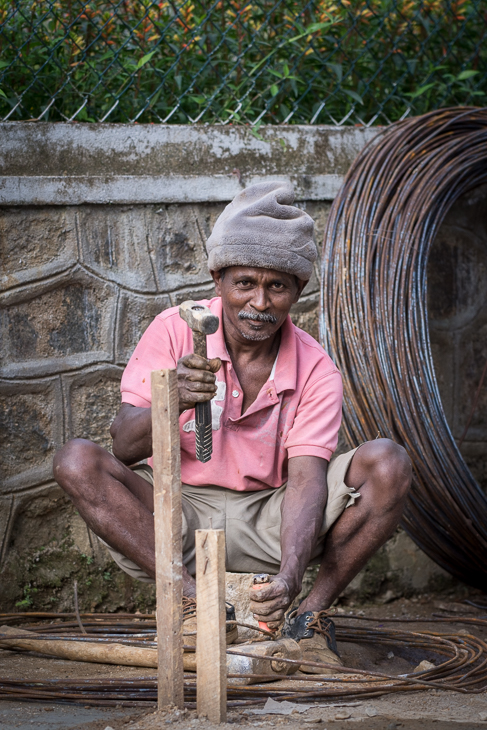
column 438, row 709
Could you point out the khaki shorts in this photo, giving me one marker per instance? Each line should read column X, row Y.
column 251, row 520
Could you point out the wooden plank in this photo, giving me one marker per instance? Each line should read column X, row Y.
column 211, row 668
column 168, row 534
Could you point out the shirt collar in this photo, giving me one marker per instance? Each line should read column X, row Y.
column 286, row 368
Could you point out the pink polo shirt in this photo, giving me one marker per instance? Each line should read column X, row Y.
column 297, row 412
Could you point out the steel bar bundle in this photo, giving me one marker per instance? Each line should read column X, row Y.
column 374, row 319
column 460, row 664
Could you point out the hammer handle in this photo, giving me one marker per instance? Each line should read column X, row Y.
column 202, row 411
column 199, row 344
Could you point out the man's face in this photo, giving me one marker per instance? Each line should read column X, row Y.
column 256, row 301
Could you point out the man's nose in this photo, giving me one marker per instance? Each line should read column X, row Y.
column 260, row 300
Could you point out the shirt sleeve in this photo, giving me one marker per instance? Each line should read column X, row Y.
column 318, row 417
column 155, row 351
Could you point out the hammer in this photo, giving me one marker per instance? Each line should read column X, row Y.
column 202, row 322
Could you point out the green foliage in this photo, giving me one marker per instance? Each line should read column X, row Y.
column 27, row 600
column 272, row 61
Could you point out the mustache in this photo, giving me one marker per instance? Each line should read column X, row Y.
column 257, row 316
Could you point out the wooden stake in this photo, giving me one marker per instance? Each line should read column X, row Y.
column 168, row 532
column 211, row 667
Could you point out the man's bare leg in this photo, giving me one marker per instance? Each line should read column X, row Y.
column 115, row 503
column 381, row 471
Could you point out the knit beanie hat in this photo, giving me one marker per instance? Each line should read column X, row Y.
column 262, row 228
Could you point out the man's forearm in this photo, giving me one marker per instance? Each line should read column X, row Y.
column 301, row 518
column 132, row 434
column 300, row 528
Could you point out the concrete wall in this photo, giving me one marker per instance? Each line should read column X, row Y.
column 102, row 227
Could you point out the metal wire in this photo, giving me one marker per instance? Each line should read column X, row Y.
column 272, row 61
column 374, row 319
column 461, row 667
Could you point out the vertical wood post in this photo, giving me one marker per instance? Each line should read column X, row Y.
column 211, row 666
column 168, row 534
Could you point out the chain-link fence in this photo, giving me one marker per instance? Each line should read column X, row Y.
column 265, row 61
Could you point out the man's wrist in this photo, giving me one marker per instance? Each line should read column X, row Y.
column 293, row 583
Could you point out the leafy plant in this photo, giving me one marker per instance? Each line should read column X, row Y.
column 26, row 601
column 269, row 61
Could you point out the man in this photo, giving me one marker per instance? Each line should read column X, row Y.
column 276, row 407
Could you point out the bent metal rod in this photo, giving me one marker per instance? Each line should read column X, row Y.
column 461, row 666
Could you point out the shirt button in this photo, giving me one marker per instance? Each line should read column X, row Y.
column 235, row 393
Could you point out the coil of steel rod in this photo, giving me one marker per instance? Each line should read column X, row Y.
column 374, row 319
column 461, row 666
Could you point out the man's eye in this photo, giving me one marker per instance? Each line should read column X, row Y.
column 278, row 285
column 243, row 282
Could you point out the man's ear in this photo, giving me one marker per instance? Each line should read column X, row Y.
column 217, row 278
column 300, row 286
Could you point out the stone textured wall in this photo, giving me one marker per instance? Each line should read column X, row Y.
column 81, row 282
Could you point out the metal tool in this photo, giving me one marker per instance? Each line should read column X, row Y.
column 259, row 581
column 202, row 322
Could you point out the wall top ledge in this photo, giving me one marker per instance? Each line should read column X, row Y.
column 58, row 163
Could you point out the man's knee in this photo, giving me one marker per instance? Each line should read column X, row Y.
column 75, row 462
column 388, row 465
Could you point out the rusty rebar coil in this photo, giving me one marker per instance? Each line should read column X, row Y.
column 374, row 319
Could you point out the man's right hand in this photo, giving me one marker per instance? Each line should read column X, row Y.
column 196, row 380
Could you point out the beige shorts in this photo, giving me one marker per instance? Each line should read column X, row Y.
column 251, row 520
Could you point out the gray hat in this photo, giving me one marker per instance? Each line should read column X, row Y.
column 261, row 227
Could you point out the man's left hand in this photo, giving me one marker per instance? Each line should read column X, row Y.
column 271, row 602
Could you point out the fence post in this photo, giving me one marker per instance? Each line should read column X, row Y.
column 168, row 538
column 211, row 667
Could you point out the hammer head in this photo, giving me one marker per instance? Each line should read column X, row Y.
column 198, row 317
